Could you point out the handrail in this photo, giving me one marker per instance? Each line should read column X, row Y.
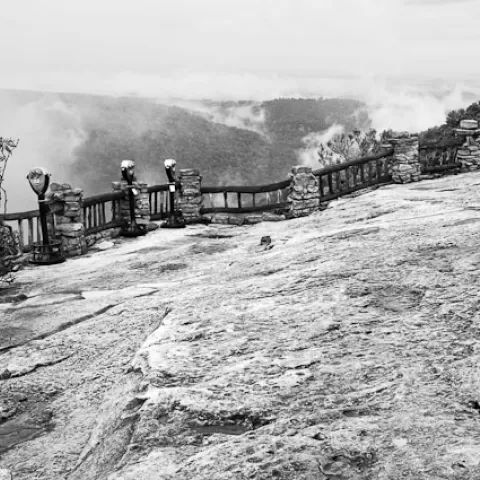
column 352, row 163
column 32, row 233
column 158, row 199
column 441, row 168
column 253, row 209
column 8, row 217
column 96, row 218
column 159, row 188
column 101, row 198
column 11, row 217
column 272, row 187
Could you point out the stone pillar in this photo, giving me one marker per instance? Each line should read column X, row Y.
column 142, row 203
column 303, row 195
column 190, row 198
column 469, row 154
column 405, row 163
column 66, row 203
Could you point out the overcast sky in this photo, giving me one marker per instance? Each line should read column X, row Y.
column 128, row 46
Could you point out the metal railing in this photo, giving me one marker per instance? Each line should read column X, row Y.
column 158, row 197
column 245, row 199
column 437, row 157
column 27, row 225
column 345, row 178
column 99, row 212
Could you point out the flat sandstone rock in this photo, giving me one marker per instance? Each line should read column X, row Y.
column 347, row 351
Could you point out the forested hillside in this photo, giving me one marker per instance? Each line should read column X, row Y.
column 149, row 133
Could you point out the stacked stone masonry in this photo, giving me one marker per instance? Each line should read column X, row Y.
column 303, row 196
column 243, row 218
column 142, row 203
column 100, row 236
column 405, row 163
column 67, row 222
column 189, row 198
column 468, row 154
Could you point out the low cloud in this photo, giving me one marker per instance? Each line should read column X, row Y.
column 247, row 116
column 415, row 107
column 308, row 155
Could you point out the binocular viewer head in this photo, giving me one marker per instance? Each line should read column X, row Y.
column 128, row 170
column 170, row 164
column 39, row 179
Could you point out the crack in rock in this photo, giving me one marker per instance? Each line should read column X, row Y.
column 14, row 371
column 61, row 328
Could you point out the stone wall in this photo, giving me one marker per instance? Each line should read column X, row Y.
column 243, row 218
column 303, row 195
column 468, row 155
column 100, row 236
column 142, row 203
column 67, row 222
column 405, row 163
column 189, row 198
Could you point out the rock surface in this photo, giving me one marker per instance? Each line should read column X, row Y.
column 5, row 474
column 350, row 350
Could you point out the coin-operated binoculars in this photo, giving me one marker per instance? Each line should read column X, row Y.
column 45, row 252
column 128, row 174
column 174, row 219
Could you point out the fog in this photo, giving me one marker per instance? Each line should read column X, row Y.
column 49, row 132
column 247, row 116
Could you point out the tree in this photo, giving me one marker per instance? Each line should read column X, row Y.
column 454, row 117
column 348, row 146
column 7, row 145
column 8, row 241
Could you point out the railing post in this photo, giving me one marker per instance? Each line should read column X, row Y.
column 468, row 154
column 68, row 224
column 405, row 164
column 303, row 195
column 121, row 210
column 190, row 200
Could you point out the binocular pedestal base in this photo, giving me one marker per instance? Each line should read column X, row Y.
column 47, row 254
column 133, row 231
